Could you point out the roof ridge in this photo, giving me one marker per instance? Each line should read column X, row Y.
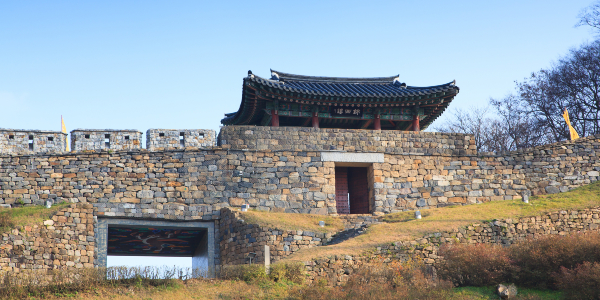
column 287, row 76
column 451, row 83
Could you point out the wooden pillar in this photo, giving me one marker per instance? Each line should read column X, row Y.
column 315, row 120
column 274, row 118
column 377, row 125
column 415, row 123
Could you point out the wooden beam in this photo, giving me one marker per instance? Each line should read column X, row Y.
column 366, row 124
column 265, row 120
column 306, row 121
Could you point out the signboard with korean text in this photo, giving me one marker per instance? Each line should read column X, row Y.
column 356, row 112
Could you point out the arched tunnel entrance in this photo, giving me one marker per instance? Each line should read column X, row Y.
column 125, row 237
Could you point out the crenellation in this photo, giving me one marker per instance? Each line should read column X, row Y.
column 28, row 142
column 169, row 139
column 105, row 139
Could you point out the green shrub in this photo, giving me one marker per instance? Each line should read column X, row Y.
column 582, row 282
column 247, row 273
column 294, row 272
column 475, row 265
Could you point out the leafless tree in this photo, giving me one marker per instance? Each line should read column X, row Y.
column 572, row 83
column 590, row 16
column 475, row 121
column 504, row 125
column 533, row 116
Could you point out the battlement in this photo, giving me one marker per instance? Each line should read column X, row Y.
column 169, row 139
column 26, row 142
column 109, row 139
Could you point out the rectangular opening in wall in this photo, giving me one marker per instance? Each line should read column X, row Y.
column 31, row 142
column 107, row 140
column 127, row 138
column 161, row 134
column 188, row 246
column 50, row 139
column 87, row 136
column 181, row 139
column 201, row 135
column 351, row 190
column 11, row 137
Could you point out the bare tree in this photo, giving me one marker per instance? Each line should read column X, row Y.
column 518, row 127
column 533, row 116
column 590, row 16
column 475, row 121
column 504, row 125
column 572, row 83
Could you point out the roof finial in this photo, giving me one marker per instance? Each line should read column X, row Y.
column 249, row 72
column 274, row 75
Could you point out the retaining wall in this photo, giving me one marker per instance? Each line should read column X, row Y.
column 62, row 242
column 239, row 238
column 337, row 269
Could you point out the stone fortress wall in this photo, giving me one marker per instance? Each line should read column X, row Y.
column 301, row 181
column 409, row 171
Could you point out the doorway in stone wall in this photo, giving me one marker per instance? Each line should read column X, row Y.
column 351, row 190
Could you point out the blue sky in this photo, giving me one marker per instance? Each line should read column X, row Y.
column 150, row 64
column 180, row 64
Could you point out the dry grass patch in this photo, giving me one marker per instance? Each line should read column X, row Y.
column 26, row 216
column 290, row 221
column 402, row 226
column 180, row 290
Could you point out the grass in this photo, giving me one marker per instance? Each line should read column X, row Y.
column 145, row 283
column 402, row 226
column 26, row 216
column 489, row 292
column 181, row 290
column 383, row 282
column 289, row 221
column 237, row 289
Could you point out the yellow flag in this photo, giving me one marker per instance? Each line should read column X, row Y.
column 64, row 130
column 572, row 131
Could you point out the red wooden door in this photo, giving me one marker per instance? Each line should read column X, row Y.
column 359, row 190
column 341, row 190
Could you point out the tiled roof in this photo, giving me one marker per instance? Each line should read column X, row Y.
column 376, row 92
column 348, row 87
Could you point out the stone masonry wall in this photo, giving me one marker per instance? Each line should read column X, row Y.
column 95, row 139
column 292, row 181
column 62, row 242
column 420, row 181
column 169, row 139
column 337, row 269
column 282, row 181
column 239, row 238
column 349, row 140
column 17, row 142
